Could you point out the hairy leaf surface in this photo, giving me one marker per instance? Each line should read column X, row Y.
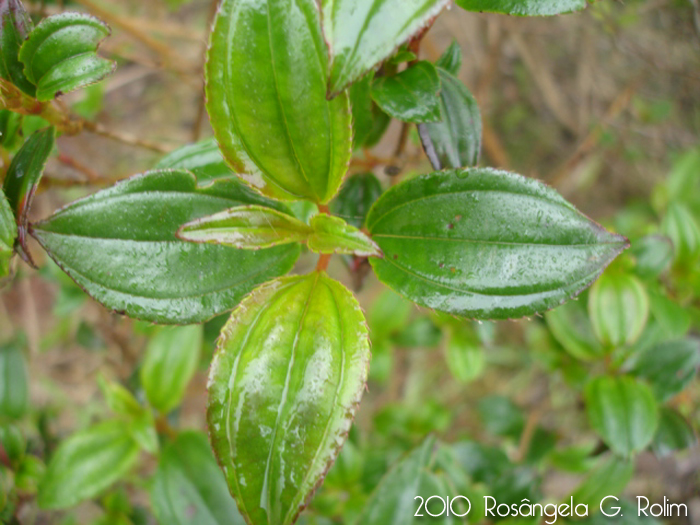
column 120, row 246
column 266, row 97
column 486, row 244
column 283, row 389
column 363, row 33
column 523, row 7
column 60, row 54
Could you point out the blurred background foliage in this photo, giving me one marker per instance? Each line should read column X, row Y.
column 603, row 105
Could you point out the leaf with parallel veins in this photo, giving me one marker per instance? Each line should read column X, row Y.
column 288, row 375
column 334, row 235
column 523, row 7
column 486, row 244
column 266, row 96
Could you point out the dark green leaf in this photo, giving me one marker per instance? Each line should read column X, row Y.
column 628, row 513
column 171, row 359
column 609, row 478
column 189, row 488
column 623, row 411
column 120, row 246
column 266, row 97
column 451, row 59
column 356, row 197
column 203, row 158
column 8, row 234
column 668, row 366
column 483, row 463
column 23, row 177
column 60, row 54
column 360, row 94
column 572, row 329
column 10, row 126
column 14, row 386
column 283, row 389
column 362, row 34
column 501, row 416
column 86, row 464
column 247, row 227
column 15, row 25
column 486, row 243
column 654, row 254
column 412, row 95
column 523, row 7
column 401, row 56
column 454, row 142
column 380, row 123
column 674, row 433
column 12, row 440
column 334, row 235
column 618, row 307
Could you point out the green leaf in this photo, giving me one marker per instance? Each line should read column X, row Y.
column 618, row 307
column 119, row 399
column 356, row 197
column 611, row 477
column 189, row 488
column 23, row 177
column 523, row 7
column 246, row 227
column 388, row 315
column 451, row 59
column 334, row 235
column 360, row 94
column 683, row 229
column 171, row 359
column 266, row 97
column 120, row 246
column 501, row 416
column 668, row 366
column 654, row 254
column 464, row 356
column 674, row 433
column 60, row 54
column 572, row 329
column 202, row 158
column 623, row 412
column 412, row 95
column 388, row 502
column 283, row 389
column 86, row 464
column 10, row 126
column 15, row 25
column 8, row 233
column 14, row 385
column 487, row 244
column 421, row 332
column 362, row 34
column 673, row 319
column 454, row 142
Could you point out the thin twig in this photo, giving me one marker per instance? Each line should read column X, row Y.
column 125, row 138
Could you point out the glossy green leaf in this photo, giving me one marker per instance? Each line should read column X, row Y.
column 683, row 229
column 523, row 7
column 202, row 158
column 247, row 227
column 14, row 384
column 60, row 54
column 356, row 197
column 86, row 464
column 189, row 488
column 412, row 95
column 334, row 235
column 362, row 34
column 8, row 234
column 171, row 359
column 623, row 411
column 572, row 329
column 455, row 141
column 669, row 366
column 360, row 94
column 23, row 177
column 609, row 478
column 388, row 503
column 618, row 307
column 266, row 97
column 283, row 389
column 674, row 433
column 120, row 246
column 485, row 243
column 15, row 25
column 451, row 59
column 654, row 254
column 464, row 356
